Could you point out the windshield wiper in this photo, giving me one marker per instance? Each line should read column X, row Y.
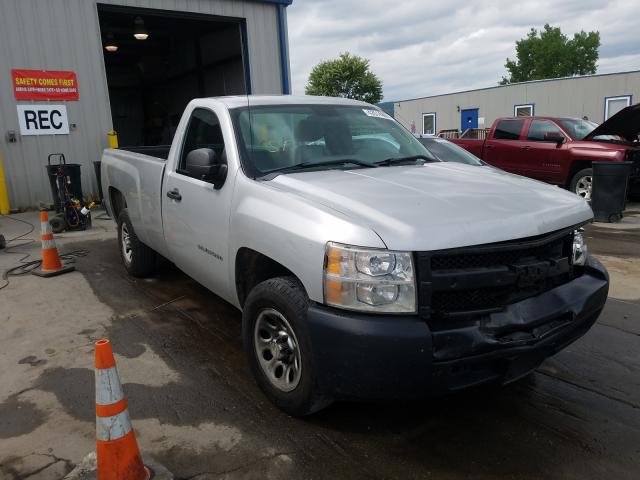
column 393, row 160
column 328, row 163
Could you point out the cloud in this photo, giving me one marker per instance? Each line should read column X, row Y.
column 421, row 48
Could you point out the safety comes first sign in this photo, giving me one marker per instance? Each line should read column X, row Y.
column 45, row 85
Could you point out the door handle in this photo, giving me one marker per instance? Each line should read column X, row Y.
column 174, row 195
column 526, row 147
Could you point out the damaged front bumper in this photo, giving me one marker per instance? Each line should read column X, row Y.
column 377, row 357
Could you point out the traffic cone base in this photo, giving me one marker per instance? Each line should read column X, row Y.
column 51, row 263
column 52, row 273
column 120, row 458
column 118, row 455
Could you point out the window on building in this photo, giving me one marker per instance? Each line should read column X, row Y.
column 539, row 128
column 613, row 105
column 508, row 129
column 428, row 123
column 523, row 110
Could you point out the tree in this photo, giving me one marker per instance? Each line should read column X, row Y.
column 348, row 76
column 550, row 54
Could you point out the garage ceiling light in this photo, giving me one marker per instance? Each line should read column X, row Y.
column 140, row 32
column 110, row 44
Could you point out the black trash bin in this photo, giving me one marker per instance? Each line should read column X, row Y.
column 96, row 166
column 609, row 191
column 71, row 171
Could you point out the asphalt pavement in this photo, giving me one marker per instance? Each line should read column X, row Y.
column 196, row 408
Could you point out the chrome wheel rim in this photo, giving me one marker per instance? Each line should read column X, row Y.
column 583, row 187
column 277, row 350
column 127, row 252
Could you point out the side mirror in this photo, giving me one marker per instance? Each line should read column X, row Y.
column 203, row 164
column 554, row 137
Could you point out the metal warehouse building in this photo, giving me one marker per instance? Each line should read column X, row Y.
column 596, row 97
column 72, row 70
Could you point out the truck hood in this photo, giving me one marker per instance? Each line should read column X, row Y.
column 625, row 123
column 439, row 205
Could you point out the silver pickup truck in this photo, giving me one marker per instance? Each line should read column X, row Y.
column 364, row 266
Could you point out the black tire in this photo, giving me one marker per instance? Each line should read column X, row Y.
column 585, row 172
column 286, row 296
column 58, row 224
column 142, row 261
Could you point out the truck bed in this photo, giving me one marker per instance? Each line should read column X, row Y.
column 157, row 151
column 139, row 176
column 472, row 145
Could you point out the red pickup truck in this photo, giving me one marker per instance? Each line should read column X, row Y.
column 560, row 150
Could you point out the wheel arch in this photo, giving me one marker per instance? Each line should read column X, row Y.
column 576, row 166
column 118, row 202
column 252, row 268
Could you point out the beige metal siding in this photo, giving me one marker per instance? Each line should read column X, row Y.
column 576, row 97
column 65, row 35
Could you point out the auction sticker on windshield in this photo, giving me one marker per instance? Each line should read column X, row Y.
column 375, row 113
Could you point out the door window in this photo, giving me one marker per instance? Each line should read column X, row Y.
column 508, row 130
column 203, row 131
column 539, row 128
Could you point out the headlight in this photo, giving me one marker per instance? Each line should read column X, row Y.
column 579, row 248
column 369, row 280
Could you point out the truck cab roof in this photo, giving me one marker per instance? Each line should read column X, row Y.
column 237, row 101
column 538, row 117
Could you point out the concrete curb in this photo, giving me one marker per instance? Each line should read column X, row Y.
column 86, row 469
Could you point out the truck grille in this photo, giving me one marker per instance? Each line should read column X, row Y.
column 483, row 279
column 495, row 258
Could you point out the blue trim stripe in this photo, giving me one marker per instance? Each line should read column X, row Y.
column 245, row 56
column 284, row 57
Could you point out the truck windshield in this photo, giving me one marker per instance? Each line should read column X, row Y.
column 578, row 129
column 293, row 138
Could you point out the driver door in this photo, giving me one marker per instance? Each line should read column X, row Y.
column 196, row 214
column 545, row 159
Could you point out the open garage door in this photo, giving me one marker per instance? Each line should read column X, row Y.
column 173, row 58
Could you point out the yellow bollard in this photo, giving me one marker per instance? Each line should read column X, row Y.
column 112, row 138
column 4, row 196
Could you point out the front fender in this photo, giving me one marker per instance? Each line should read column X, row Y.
column 290, row 230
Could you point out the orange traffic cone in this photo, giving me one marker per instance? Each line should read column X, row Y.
column 117, row 452
column 51, row 264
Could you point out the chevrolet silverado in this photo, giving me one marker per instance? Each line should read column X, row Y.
column 364, row 266
column 560, row 150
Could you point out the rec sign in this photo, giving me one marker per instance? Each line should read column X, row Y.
column 43, row 119
column 45, row 85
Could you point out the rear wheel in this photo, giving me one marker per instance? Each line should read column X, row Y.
column 582, row 183
column 138, row 259
column 278, row 346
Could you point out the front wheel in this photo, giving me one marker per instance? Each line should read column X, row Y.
column 582, row 183
column 278, row 347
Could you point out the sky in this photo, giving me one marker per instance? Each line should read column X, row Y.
column 422, row 47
